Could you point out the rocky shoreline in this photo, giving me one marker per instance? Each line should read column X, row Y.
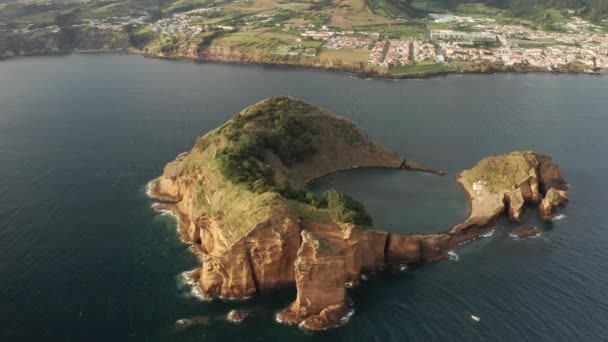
column 251, row 242
column 480, row 69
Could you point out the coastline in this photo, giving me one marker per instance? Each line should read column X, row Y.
column 482, row 68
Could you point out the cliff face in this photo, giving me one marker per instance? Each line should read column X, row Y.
column 320, row 270
column 250, row 239
column 48, row 43
column 236, row 196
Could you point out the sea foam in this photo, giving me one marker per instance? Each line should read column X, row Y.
column 488, row 234
column 559, row 217
column 453, row 256
column 149, row 189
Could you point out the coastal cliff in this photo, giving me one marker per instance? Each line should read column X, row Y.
column 239, row 195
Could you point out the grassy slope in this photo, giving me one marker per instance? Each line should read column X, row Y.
column 500, row 172
column 240, row 210
column 421, row 69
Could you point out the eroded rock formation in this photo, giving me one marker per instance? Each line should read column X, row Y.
column 237, row 198
column 553, row 199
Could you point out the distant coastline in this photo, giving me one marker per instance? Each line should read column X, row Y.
column 479, row 68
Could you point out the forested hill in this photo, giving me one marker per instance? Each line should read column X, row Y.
column 592, row 9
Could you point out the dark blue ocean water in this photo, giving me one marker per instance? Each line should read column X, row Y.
column 84, row 258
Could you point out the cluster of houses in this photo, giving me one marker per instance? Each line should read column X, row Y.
column 462, row 36
column 424, row 50
column 484, row 40
column 398, row 52
column 179, row 23
column 348, row 42
column 31, row 28
column 295, row 50
column 376, row 57
column 113, row 23
column 542, row 49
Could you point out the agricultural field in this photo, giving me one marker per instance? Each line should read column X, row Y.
column 415, row 29
column 399, row 37
column 421, row 69
column 349, row 56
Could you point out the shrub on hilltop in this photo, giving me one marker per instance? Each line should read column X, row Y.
column 272, row 125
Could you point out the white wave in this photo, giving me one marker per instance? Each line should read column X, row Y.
column 364, row 277
column 453, row 256
column 517, row 238
column 186, row 278
column 196, row 292
column 399, row 268
column 149, row 188
column 167, row 212
column 559, row 217
column 488, row 234
column 347, row 317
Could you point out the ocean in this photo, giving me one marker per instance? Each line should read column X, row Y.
column 83, row 257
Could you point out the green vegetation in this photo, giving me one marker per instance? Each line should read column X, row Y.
column 327, row 247
column 396, row 31
column 138, row 37
column 421, row 69
column 500, row 172
column 346, row 209
column 276, row 125
column 272, row 125
column 394, row 8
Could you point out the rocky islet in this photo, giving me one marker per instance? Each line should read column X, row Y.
column 253, row 235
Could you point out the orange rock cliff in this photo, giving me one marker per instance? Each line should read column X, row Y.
column 239, row 196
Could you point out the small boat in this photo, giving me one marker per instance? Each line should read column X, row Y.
column 475, row 318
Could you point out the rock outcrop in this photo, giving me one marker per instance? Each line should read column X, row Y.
column 236, row 316
column 507, row 182
column 525, row 232
column 320, row 276
column 239, row 198
column 553, row 199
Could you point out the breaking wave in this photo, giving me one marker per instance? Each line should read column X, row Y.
column 453, row 256
column 488, row 234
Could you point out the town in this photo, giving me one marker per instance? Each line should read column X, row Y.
column 581, row 42
column 447, row 39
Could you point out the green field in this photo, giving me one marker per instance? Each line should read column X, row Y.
column 260, row 40
column 421, row 69
column 396, row 31
column 394, row 8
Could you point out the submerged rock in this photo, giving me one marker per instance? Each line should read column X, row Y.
column 525, row 232
column 236, row 316
column 187, row 323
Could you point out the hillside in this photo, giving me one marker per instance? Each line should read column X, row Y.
column 386, row 38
